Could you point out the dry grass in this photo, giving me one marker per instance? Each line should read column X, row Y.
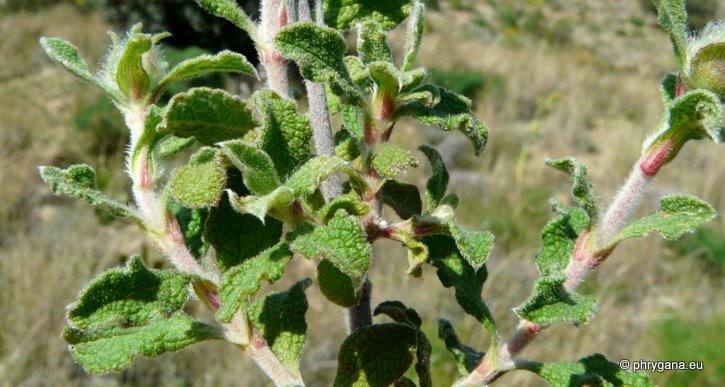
column 607, row 101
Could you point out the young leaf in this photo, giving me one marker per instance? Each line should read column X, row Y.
column 400, row 313
column 337, row 286
column 342, row 241
column 678, row 215
column 376, row 355
column 452, row 112
column 257, row 167
column 593, row 370
column 66, row 54
column 277, row 204
column 347, row 147
column 244, row 280
column 582, row 191
column 389, row 160
column 454, row 270
column 191, row 221
column 668, row 88
column 310, row 175
column 343, row 14
column 169, row 146
column 386, row 77
column 466, row 357
column 131, row 77
column 285, row 134
column 130, row 296
column 417, row 251
column 319, row 52
column 413, row 34
column 228, row 9
column 225, row 61
column 673, row 19
column 403, row 198
column 114, row 348
column 79, row 181
column 475, row 246
column 354, row 118
column 550, row 303
column 358, row 71
column 559, row 237
column 238, row 237
column 209, row 115
column 280, row 318
column 350, row 202
column 438, row 181
column 198, row 185
column 371, row 43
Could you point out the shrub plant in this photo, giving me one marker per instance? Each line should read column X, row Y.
column 253, row 193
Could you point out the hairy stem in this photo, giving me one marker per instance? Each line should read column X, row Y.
column 274, row 17
column 360, row 315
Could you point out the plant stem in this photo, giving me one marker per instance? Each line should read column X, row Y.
column 274, row 17
column 360, row 315
column 586, row 256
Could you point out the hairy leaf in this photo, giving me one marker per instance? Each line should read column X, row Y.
column 452, row 112
column 257, row 167
column 673, row 19
column 347, row 147
column 354, row 119
column 343, row 14
column 191, row 221
column 371, row 43
column 243, row 280
column 169, row 146
column 210, row 115
column 285, row 134
column 466, row 357
column 550, row 303
column 438, row 181
column 277, row 204
column 475, row 246
column 131, row 77
column 225, row 61
column 337, row 286
column 198, row 185
column 310, row 175
column 376, row 355
column 389, row 160
column 280, row 318
column 350, row 202
column 400, row 313
column 403, row 198
column 668, row 88
column 582, row 191
column 79, row 181
column 413, row 34
column 559, row 237
column 228, row 9
column 237, row 237
column 593, row 370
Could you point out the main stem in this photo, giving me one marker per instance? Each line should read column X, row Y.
column 165, row 232
column 589, row 252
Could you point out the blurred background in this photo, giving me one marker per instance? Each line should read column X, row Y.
column 550, row 77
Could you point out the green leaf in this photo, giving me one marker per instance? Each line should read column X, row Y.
column 350, row 202
column 237, row 237
column 228, row 9
column 132, row 79
column 337, row 286
column 225, row 61
column 310, row 175
column 198, row 185
column 66, row 54
column 403, row 198
column 354, row 119
column 376, row 355
column 417, row 251
column 169, row 146
column 413, row 34
column 347, row 147
column 114, row 348
column 582, row 190
column 319, row 52
column 343, row 14
column 559, row 237
column 389, row 160
column 413, row 81
column 79, row 181
column 475, row 246
column 673, row 19
column 129, row 297
column 550, row 303
column 278, row 204
column 191, row 221
column 452, row 112
column 426, row 95
column 386, row 77
column 593, row 370
column 668, row 88
column 371, row 43
column 130, row 312
column 706, row 68
column 438, row 181
column 244, row 280
column 678, row 215
column 466, row 357
column 400, row 313
column 257, row 167
column 342, row 241
column 454, row 271
column 280, row 318
column 210, row 115
column 358, row 71
column 285, row 134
